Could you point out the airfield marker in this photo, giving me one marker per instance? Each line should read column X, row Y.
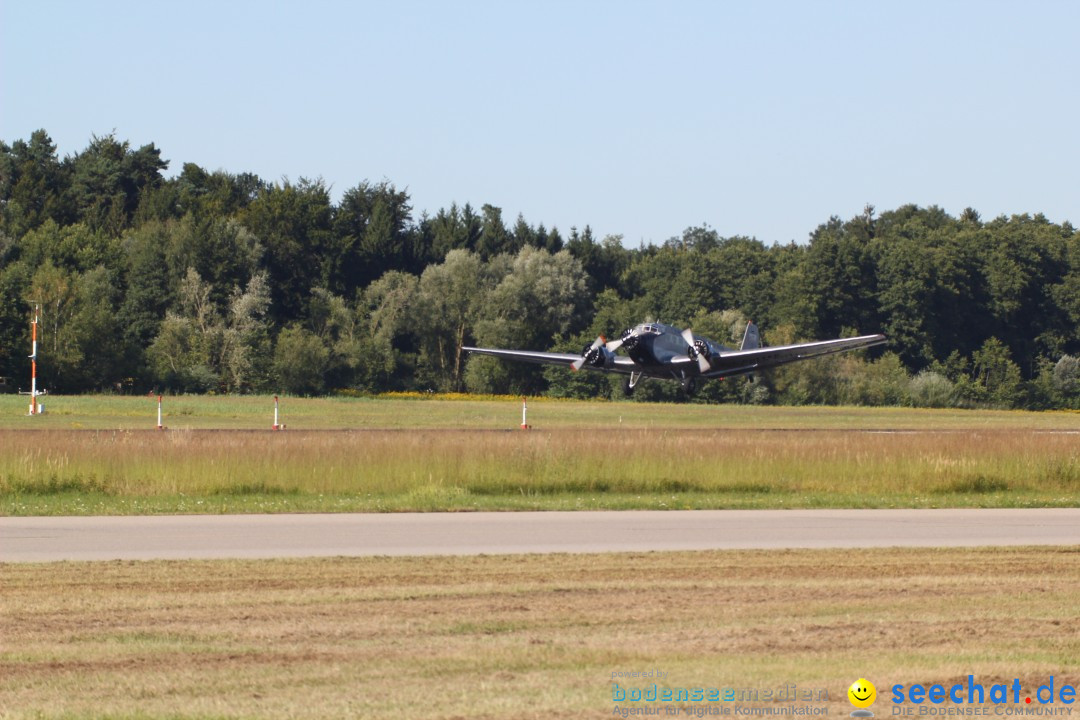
column 159, row 425
column 276, row 426
column 35, row 407
column 524, row 411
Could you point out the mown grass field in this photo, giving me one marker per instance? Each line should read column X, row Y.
column 246, row 412
column 523, row 636
column 459, row 455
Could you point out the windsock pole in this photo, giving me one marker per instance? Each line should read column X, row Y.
column 33, row 362
column 524, row 411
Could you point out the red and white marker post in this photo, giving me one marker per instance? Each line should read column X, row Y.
column 34, row 409
column 524, row 411
column 159, row 425
column 276, row 425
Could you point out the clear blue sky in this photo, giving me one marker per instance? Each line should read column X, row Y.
column 640, row 119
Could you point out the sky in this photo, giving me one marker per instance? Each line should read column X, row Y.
column 639, row 119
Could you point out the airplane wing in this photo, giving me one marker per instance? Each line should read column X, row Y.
column 621, row 365
column 738, row 362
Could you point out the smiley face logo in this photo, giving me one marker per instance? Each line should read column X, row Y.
column 862, row 693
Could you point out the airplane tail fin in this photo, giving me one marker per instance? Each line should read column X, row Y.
column 751, row 340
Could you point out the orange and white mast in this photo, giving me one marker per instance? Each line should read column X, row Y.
column 33, row 362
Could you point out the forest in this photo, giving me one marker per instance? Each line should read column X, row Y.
column 215, row 282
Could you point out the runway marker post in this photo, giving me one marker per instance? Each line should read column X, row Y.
column 276, row 425
column 524, row 411
column 159, row 425
column 36, row 408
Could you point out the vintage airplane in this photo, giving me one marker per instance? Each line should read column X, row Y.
column 660, row 351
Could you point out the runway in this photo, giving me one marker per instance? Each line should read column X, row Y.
column 48, row 539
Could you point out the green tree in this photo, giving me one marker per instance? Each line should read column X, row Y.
column 538, row 301
column 177, row 360
column 33, row 185
column 80, row 347
column 245, row 338
column 604, row 261
column 300, row 361
column 1066, row 294
column 1025, row 263
column 448, row 302
column 55, row 290
column 454, row 229
column 74, row 247
column 494, row 238
column 342, row 329
column 906, row 289
column 741, row 274
column 550, row 241
column 827, row 293
column 182, row 355
column 523, row 234
column 372, row 235
column 293, row 222
column 930, row 389
column 884, row 381
column 100, row 342
column 1066, row 380
column 200, row 348
column 149, row 291
column 671, row 281
column 14, row 321
column 386, row 313
column 214, row 194
column 108, row 179
column 613, row 314
column 995, row 377
column 221, row 250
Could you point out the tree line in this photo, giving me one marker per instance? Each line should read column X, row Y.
column 211, row 281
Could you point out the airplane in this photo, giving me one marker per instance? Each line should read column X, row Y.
column 657, row 350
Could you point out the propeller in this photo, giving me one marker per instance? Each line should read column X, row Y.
column 589, row 353
column 626, row 338
column 696, row 351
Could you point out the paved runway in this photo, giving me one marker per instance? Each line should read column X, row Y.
column 43, row 539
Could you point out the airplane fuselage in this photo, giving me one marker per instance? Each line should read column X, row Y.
column 653, row 346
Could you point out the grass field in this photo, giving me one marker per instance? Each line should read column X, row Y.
column 456, row 456
column 199, row 412
column 523, row 636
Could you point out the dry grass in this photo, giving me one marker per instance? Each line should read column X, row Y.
column 521, row 636
column 95, row 472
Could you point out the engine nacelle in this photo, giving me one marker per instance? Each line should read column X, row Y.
column 700, row 348
column 598, row 356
